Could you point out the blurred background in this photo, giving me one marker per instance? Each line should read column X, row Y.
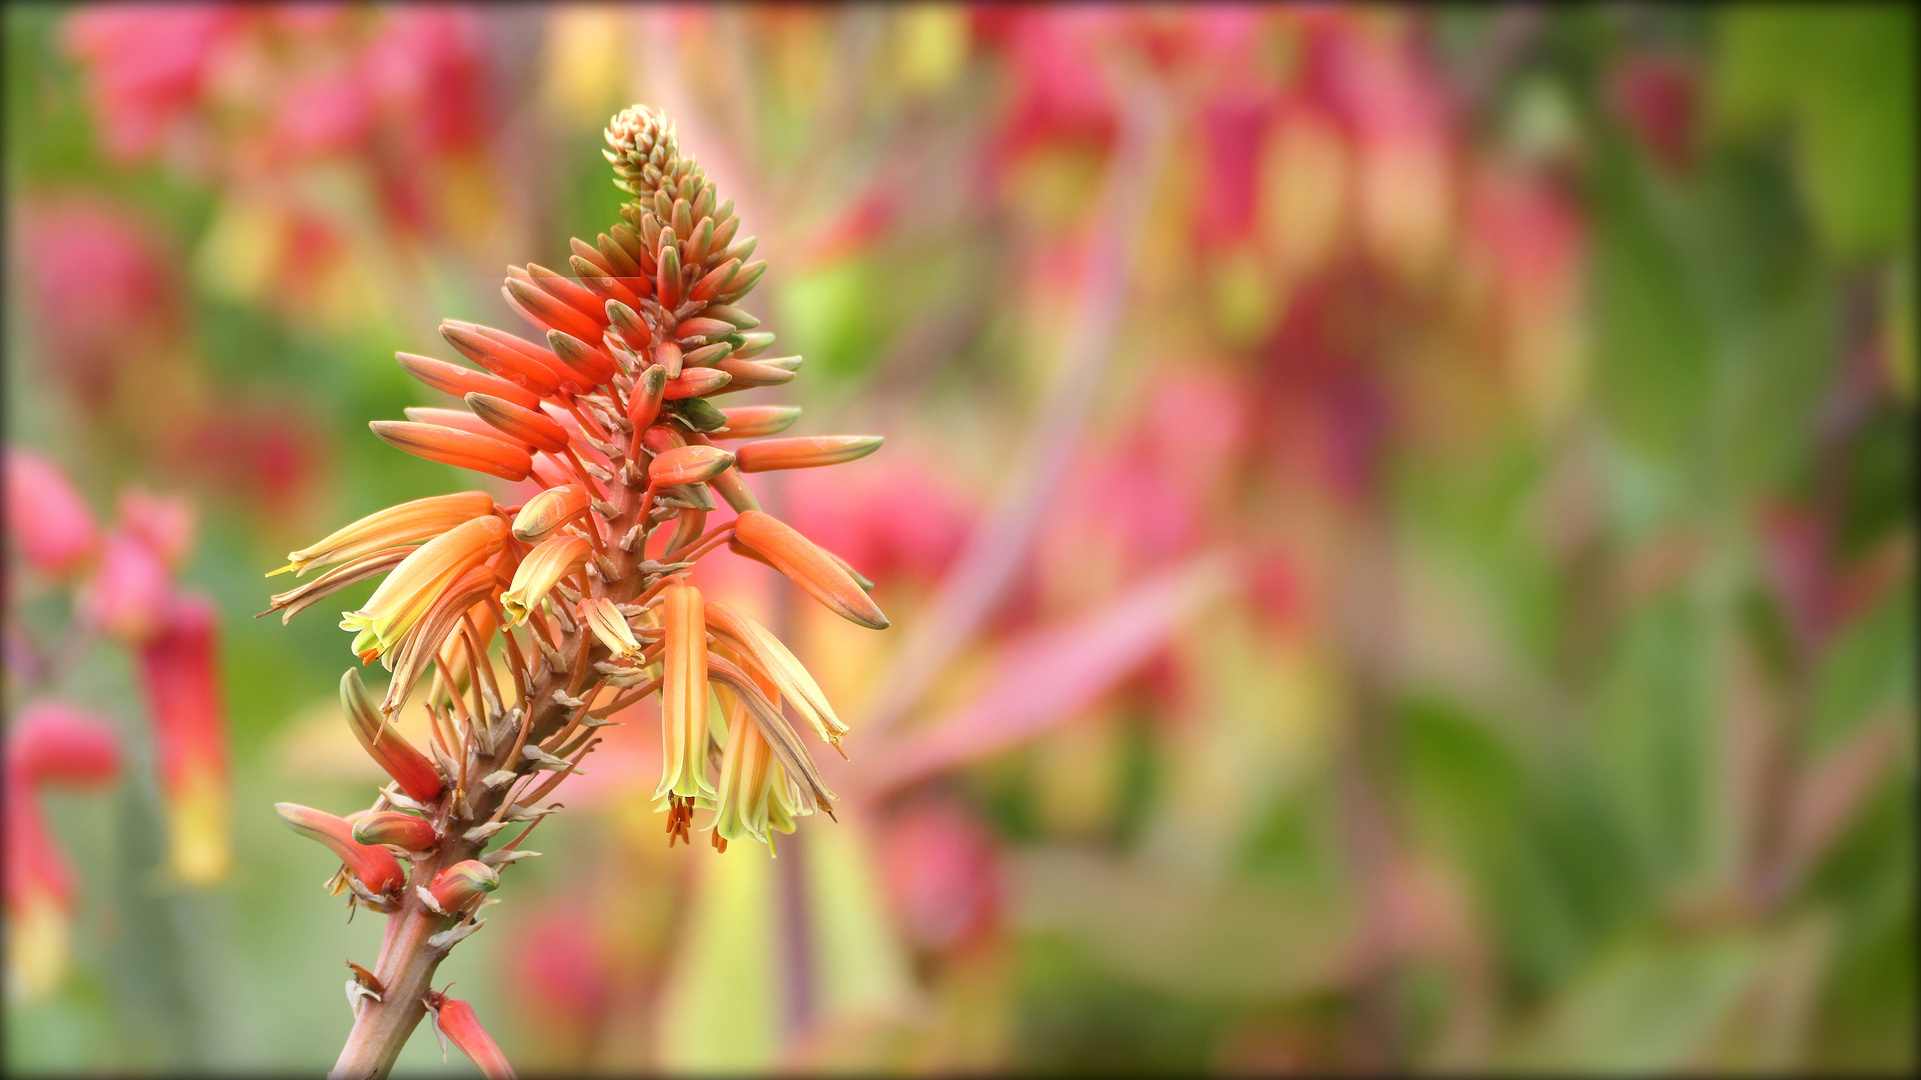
column 1395, row 522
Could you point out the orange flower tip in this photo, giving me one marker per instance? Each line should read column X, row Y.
column 804, row 563
column 375, row 867
column 395, row 828
column 695, row 382
column 460, row 886
column 804, row 452
column 456, row 1023
column 688, row 465
column 461, row 449
column 412, row 769
column 702, row 327
column 754, row 421
column 529, row 426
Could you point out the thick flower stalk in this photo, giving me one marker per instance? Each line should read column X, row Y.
column 521, row 629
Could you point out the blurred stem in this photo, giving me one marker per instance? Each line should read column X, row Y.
column 980, row 577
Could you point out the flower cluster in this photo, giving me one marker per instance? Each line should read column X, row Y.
column 580, row 589
column 121, row 583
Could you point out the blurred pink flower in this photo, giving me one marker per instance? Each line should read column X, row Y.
column 892, row 519
column 48, row 522
column 942, row 876
column 1656, row 97
column 101, row 293
column 129, row 591
column 145, row 66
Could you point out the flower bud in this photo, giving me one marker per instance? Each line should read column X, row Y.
column 643, row 405
column 461, row 885
column 701, row 327
column 806, row 565
column 696, row 382
column 394, row 828
column 461, row 381
column 455, row 1022
column 548, row 511
column 526, row 425
column 661, row 438
column 503, row 360
column 629, row 326
column 544, row 310
column 416, row 774
column 375, row 866
column 591, row 364
column 688, row 465
column 804, row 452
column 754, row 421
column 461, row 449
column 553, row 559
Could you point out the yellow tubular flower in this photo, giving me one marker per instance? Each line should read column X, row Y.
column 548, row 511
column 418, row 581
column 610, row 626
column 555, row 558
column 407, row 523
column 746, row 768
column 683, row 695
column 789, row 676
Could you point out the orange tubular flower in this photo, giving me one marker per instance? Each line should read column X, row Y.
column 809, row 567
column 461, row 449
column 520, row 637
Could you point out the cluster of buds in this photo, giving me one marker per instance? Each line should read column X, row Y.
column 581, row 589
column 121, row 583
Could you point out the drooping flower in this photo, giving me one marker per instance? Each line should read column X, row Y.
column 180, row 673
column 455, row 1022
column 51, row 744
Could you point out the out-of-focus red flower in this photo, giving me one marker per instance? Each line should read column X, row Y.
column 941, row 875
column 56, row 743
column 51, row 743
column 129, row 592
column 179, row 670
column 559, row 977
column 1655, row 97
column 163, row 523
column 100, row 293
column 1060, row 92
column 146, row 65
column 48, row 522
column 265, row 455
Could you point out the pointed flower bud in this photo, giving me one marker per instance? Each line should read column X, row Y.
column 747, row 374
column 806, row 565
column 461, row 381
column 50, row 524
column 417, row 775
column 548, row 511
column 396, row 829
column 418, row 581
column 661, row 438
column 553, row 559
column 643, row 406
column 461, row 885
column 407, row 523
column 610, row 626
column 456, row 1023
column 514, row 365
column 375, row 866
column 696, row 382
column 683, row 694
column 461, row 449
column 754, row 421
column 526, row 425
column 804, row 452
column 588, row 362
column 688, row 465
